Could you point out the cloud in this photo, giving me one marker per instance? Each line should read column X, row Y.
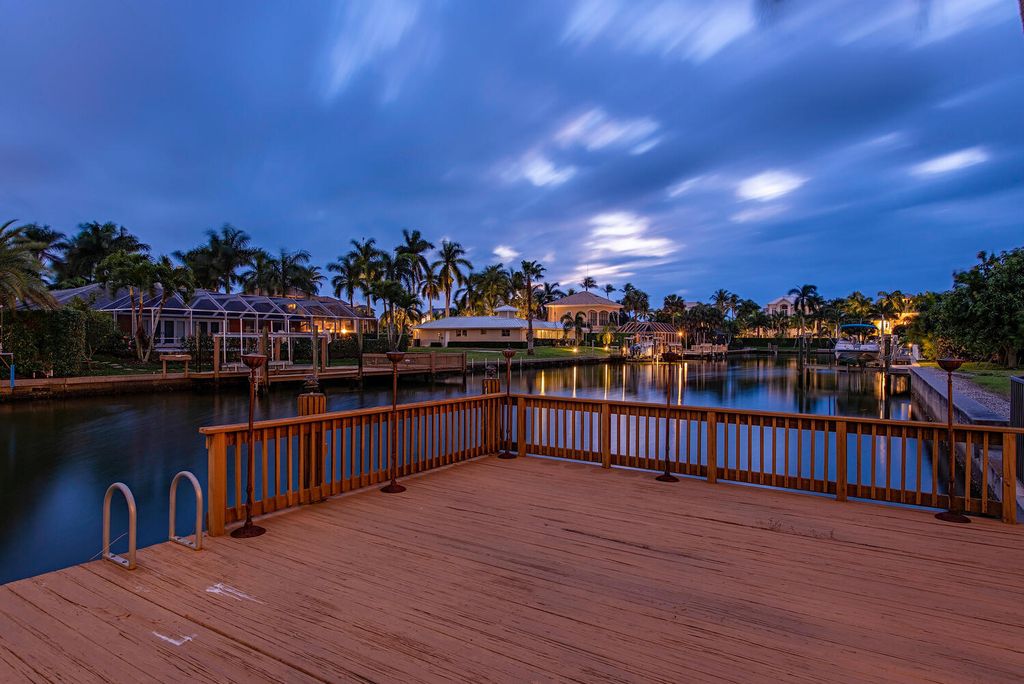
column 757, row 214
column 625, row 233
column 595, row 130
column 954, row 161
column 538, row 170
column 365, row 32
column 505, row 253
column 769, row 185
column 692, row 30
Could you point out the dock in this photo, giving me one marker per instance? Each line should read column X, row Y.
column 537, row 570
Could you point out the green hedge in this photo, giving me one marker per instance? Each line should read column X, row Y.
column 43, row 341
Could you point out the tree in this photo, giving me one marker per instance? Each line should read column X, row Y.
column 366, row 257
column 609, row 290
column 548, row 293
column 673, row 309
column 588, row 283
column 531, row 272
column 260, row 276
column 46, row 243
column 173, row 280
column 93, row 243
column 574, row 322
column 721, row 300
column 451, row 266
column 137, row 274
column 858, row 305
column 430, row 287
column 805, row 301
column 347, row 281
column 291, row 272
column 215, row 265
column 21, row 272
column 635, row 302
column 416, row 248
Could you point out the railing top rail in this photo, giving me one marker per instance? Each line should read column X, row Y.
column 335, row 415
column 776, row 414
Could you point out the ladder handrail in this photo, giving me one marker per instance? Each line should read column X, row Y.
column 197, row 544
column 128, row 563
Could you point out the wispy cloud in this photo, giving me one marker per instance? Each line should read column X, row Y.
column 365, row 32
column 538, row 170
column 757, row 213
column 768, row 185
column 954, row 161
column 693, row 30
column 595, row 130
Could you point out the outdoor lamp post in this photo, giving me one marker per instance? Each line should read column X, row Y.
column 507, row 452
column 955, row 512
column 395, row 357
column 253, row 362
column 667, row 476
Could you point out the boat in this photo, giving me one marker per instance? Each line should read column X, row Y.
column 857, row 347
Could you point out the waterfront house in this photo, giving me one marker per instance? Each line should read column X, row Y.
column 214, row 313
column 786, row 304
column 599, row 311
column 650, row 338
column 505, row 328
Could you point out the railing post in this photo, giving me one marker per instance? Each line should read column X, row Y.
column 521, row 425
column 841, row 473
column 1009, row 478
column 606, row 435
column 216, row 357
column 216, row 482
column 712, row 441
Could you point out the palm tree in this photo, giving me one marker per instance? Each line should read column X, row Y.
column 548, row 293
column 805, row 300
column 47, row 243
column 259, row 278
column 609, row 290
column 135, row 273
column 416, row 248
column 21, row 272
column 366, row 257
column 430, row 287
column 531, row 272
column 674, row 308
column 347, row 280
column 588, row 283
column 634, row 301
column 291, row 272
column 451, row 270
column 173, row 280
column 215, row 265
column 575, row 322
column 721, row 300
column 859, row 306
column 93, row 243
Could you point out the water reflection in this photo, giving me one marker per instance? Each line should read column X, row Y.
column 57, row 458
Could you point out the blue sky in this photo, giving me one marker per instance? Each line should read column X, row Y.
column 683, row 146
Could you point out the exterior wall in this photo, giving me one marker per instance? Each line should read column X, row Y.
column 593, row 313
column 444, row 336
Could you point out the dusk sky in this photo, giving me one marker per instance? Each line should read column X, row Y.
column 755, row 146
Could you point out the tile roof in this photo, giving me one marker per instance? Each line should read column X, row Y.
column 584, row 299
column 485, row 322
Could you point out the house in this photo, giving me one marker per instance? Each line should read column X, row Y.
column 597, row 310
column 785, row 304
column 502, row 329
column 215, row 313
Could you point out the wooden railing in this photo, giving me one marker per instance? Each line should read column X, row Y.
column 423, row 362
column 880, row 460
column 307, row 458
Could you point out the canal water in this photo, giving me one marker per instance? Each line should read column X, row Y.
column 57, row 458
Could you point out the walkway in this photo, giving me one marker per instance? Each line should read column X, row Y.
column 533, row 570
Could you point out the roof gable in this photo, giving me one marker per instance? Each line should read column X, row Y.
column 584, row 299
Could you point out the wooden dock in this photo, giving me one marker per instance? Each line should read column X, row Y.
column 537, row 570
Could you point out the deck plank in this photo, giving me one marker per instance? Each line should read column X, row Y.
column 536, row 569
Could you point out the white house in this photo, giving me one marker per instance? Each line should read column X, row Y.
column 465, row 331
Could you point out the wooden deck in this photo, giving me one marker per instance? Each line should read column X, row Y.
column 536, row 569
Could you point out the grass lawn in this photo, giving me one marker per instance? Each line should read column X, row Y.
column 991, row 376
column 539, row 353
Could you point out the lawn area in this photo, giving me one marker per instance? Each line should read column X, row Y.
column 539, row 353
column 991, row 376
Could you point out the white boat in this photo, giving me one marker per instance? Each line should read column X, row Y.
column 857, row 349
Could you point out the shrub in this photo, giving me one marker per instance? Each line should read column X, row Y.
column 44, row 341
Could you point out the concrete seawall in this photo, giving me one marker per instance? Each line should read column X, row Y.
column 928, row 388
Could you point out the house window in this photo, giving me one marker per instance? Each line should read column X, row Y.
column 506, row 333
column 603, row 318
column 460, row 333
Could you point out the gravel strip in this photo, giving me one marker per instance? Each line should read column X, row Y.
column 993, row 402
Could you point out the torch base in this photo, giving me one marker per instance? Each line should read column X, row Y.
column 666, row 477
column 950, row 516
column 393, row 488
column 506, row 454
column 247, row 531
